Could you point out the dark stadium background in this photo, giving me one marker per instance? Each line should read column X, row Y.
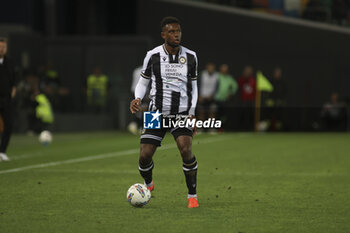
column 76, row 35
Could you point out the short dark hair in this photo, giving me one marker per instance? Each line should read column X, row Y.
column 167, row 20
column 3, row 39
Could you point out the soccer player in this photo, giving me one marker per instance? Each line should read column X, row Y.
column 7, row 92
column 173, row 71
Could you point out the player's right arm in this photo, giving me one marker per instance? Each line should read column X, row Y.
column 140, row 92
column 141, row 87
column 135, row 105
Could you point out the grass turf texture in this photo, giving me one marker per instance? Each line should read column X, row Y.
column 246, row 183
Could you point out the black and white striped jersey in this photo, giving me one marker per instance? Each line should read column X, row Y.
column 174, row 80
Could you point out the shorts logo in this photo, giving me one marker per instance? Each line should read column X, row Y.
column 182, row 60
column 152, row 120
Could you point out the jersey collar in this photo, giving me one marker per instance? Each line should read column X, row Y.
column 167, row 53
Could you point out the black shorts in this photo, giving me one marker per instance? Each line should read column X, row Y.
column 155, row 136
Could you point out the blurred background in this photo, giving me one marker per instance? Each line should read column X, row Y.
column 82, row 55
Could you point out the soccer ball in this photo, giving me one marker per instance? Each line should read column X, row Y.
column 132, row 127
column 138, row 195
column 45, row 137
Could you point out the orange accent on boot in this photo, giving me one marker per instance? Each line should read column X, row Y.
column 192, row 202
column 151, row 188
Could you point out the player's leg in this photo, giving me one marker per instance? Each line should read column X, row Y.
column 5, row 139
column 146, row 164
column 183, row 137
column 184, row 144
column 150, row 140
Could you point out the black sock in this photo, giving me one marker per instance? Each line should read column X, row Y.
column 190, row 170
column 145, row 168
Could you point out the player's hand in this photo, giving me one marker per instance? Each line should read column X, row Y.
column 194, row 129
column 135, row 105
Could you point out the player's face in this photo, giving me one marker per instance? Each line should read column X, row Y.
column 3, row 49
column 172, row 34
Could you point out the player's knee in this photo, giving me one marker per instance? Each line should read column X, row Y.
column 146, row 151
column 186, row 152
column 146, row 154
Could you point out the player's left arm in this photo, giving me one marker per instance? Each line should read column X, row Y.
column 194, row 97
column 194, row 74
column 140, row 92
column 194, row 103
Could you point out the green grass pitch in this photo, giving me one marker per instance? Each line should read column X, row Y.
column 250, row 183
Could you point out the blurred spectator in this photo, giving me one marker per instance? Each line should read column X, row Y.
column 276, row 100
column 97, row 90
column 50, row 84
column 41, row 115
column 227, row 87
column 334, row 114
column 247, row 85
column 340, row 10
column 207, row 90
column 26, row 87
column 50, row 78
column 247, row 88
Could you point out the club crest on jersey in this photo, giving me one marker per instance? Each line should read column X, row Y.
column 182, row 60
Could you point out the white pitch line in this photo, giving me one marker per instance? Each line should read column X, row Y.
column 96, row 157
column 69, row 161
